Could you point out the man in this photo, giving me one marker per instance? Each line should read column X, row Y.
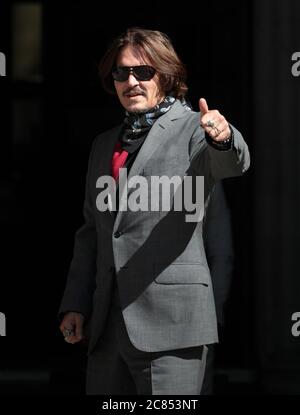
column 140, row 279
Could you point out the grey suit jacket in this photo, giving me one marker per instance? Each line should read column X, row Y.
column 162, row 274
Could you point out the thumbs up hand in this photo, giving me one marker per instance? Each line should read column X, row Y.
column 213, row 122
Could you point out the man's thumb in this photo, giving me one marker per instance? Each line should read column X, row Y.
column 203, row 106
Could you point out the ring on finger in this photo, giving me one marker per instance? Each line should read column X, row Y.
column 217, row 131
column 68, row 332
column 210, row 124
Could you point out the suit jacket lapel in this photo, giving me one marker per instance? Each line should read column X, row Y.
column 158, row 134
column 107, row 154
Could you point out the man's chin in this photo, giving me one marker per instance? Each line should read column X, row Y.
column 137, row 107
column 135, row 104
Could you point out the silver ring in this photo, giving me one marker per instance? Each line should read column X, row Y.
column 210, row 124
column 217, row 130
column 68, row 332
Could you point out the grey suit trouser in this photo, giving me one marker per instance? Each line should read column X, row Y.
column 116, row 367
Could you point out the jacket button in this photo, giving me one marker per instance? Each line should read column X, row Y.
column 117, row 234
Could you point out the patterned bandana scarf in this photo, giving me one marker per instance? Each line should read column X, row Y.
column 137, row 125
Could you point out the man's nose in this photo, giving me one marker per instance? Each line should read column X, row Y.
column 132, row 81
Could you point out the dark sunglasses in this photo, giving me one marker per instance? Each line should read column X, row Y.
column 141, row 73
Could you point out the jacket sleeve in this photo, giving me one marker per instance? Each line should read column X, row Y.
column 81, row 277
column 217, row 163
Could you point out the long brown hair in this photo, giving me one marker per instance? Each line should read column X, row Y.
column 157, row 48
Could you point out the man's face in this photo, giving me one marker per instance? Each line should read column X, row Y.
column 135, row 95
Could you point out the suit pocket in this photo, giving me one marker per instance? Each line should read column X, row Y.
column 182, row 273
